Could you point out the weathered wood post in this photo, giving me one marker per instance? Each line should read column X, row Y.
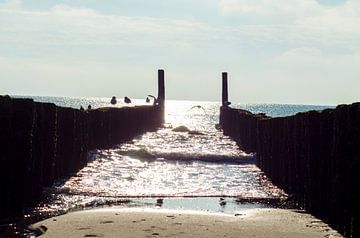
column 224, row 116
column 161, row 92
column 161, row 87
column 23, row 119
column 5, row 156
column 225, row 89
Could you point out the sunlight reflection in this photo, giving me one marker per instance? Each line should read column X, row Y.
column 169, row 163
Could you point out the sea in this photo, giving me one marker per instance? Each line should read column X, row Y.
column 168, row 169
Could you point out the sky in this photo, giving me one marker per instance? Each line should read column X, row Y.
column 275, row 51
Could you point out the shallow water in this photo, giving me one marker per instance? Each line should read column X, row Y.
column 167, row 163
column 199, row 162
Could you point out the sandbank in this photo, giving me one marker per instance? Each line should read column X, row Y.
column 148, row 223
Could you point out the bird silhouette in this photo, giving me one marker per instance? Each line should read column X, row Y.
column 113, row 100
column 127, row 100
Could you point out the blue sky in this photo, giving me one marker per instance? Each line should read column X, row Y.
column 299, row 51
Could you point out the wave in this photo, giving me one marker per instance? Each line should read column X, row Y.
column 145, row 155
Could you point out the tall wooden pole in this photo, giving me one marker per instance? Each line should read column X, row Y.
column 161, row 93
column 161, row 87
column 225, row 98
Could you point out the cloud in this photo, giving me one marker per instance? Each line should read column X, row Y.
column 306, row 57
column 270, row 8
column 309, row 12
column 300, row 54
column 65, row 25
column 318, row 75
column 289, row 45
column 313, row 65
column 11, row 5
column 43, row 77
column 298, row 22
column 65, row 10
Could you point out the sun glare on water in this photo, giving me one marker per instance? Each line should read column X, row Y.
column 188, row 157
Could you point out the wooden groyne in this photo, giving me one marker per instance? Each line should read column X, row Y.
column 42, row 142
column 314, row 156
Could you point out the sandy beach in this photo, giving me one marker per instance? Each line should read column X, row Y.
column 137, row 222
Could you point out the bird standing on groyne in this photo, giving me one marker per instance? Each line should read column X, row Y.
column 113, row 100
column 127, row 100
column 153, row 97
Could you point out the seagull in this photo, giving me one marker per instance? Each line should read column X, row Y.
column 159, row 202
column 198, row 106
column 113, row 100
column 222, row 202
column 127, row 100
column 153, row 97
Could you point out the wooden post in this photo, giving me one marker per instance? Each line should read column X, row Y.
column 225, row 89
column 6, row 185
column 161, row 94
column 161, row 87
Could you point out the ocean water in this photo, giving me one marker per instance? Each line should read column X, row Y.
column 168, row 164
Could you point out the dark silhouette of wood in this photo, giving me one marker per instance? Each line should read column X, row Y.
column 42, row 142
column 225, row 100
column 313, row 156
column 160, row 101
column 161, row 87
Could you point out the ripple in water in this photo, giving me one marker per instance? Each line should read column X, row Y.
column 115, row 175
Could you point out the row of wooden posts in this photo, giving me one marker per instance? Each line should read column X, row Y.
column 42, row 142
column 313, row 156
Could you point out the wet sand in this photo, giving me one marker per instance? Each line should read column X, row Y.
column 112, row 222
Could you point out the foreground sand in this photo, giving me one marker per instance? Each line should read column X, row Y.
column 172, row 223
